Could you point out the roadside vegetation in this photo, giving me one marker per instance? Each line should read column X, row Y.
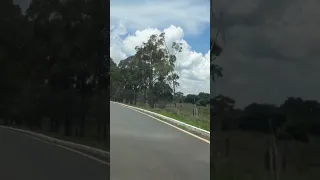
column 278, row 142
column 183, row 112
column 54, row 69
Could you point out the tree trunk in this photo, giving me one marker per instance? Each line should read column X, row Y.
column 134, row 97
column 67, row 117
column 98, row 117
column 67, row 125
column 99, row 128
column 51, row 125
column 150, row 100
column 174, row 95
column 56, row 126
column 82, row 126
column 105, row 131
column 145, row 96
column 83, row 116
column 150, row 94
column 5, row 121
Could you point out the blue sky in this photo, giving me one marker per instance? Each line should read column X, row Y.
column 185, row 21
column 201, row 42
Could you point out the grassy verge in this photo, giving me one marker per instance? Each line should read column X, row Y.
column 246, row 157
column 200, row 123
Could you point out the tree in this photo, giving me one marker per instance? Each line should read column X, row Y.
column 215, row 71
column 262, row 118
column 173, row 78
column 15, row 34
column 204, row 99
column 191, row 98
column 222, row 104
column 69, row 51
column 115, row 80
column 215, row 51
column 179, row 97
column 158, row 60
column 54, row 73
column 162, row 91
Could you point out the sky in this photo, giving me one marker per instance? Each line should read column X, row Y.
column 272, row 50
column 184, row 21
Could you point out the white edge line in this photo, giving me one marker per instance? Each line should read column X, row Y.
column 64, row 147
column 200, row 138
column 104, row 153
column 58, row 145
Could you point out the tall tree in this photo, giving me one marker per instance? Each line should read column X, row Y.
column 174, row 79
column 160, row 62
column 15, row 34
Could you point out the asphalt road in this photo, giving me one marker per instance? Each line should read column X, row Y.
column 143, row 148
column 24, row 158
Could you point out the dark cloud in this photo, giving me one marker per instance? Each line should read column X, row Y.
column 272, row 50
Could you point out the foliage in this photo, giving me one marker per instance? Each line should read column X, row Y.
column 53, row 65
column 295, row 118
column 149, row 75
column 215, row 70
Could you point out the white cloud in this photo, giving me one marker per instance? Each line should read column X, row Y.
column 193, row 67
column 191, row 15
column 147, row 17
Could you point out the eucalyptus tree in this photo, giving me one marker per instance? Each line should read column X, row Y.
column 159, row 61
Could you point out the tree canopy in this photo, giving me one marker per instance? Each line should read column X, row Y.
column 149, row 76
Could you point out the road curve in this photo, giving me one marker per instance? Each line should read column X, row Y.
column 143, row 148
column 25, row 158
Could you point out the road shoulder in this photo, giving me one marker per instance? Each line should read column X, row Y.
column 191, row 130
column 93, row 153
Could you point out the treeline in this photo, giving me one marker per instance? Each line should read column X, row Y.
column 201, row 99
column 54, row 68
column 130, row 83
column 294, row 119
column 149, row 76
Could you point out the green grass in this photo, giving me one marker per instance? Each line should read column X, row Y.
column 246, row 159
column 185, row 116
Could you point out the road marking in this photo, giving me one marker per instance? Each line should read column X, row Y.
column 191, row 134
column 64, row 147
column 83, row 154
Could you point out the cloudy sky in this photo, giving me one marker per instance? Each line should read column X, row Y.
column 185, row 21
column 272, row 50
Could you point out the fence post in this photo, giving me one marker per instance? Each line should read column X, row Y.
column 195, row 111
column 284, row 159
column 266, row 157
column 227, row 147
